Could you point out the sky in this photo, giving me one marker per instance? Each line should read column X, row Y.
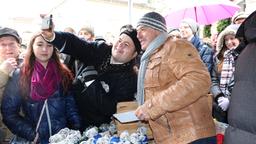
column 69, row 13
column 66, row 13
column 10, row 8
column 25, row 9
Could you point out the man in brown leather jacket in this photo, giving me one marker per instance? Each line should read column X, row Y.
column 172, row 86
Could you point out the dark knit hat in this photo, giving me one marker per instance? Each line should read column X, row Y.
column 5, row 31
column 132, row 33
column 153, row 20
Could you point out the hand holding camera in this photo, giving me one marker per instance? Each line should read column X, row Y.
column 47, row 27
column 47, row 23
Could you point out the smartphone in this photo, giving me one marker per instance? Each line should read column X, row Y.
column 47, row 22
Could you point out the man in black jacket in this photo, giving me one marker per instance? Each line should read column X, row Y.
column 116, row 80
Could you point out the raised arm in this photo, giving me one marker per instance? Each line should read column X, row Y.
column 88, row 52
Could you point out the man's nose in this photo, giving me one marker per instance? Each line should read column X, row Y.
column 120, row 45
column 8, row 47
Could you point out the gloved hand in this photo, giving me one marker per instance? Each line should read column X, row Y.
column 218, row 96
column 223, row 102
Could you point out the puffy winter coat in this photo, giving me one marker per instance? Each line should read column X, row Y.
column 205, row 52
column 242, row 109
column 4, row 132
column 21, row 114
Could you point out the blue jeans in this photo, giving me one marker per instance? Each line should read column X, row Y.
column 208, row 140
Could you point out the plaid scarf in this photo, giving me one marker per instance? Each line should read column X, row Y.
column 228, row 69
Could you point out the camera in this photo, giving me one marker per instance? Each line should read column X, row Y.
column 47, row 22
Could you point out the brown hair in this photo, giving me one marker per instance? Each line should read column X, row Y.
column 28, row 66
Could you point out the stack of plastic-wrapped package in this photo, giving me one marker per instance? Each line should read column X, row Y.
column 105, row 134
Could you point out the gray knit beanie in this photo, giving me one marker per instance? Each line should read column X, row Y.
column 192, row 24
column 239, row 15
column 153, row 20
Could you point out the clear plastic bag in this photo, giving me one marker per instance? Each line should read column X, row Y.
column 220, row 127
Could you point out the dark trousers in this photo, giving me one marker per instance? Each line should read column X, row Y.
column 208, row 140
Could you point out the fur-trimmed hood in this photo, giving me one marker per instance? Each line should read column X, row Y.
column 230, row 30
column 247, row 30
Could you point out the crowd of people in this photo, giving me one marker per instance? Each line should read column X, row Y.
column 64, row 79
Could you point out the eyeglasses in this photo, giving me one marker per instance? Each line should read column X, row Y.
column 10, row 45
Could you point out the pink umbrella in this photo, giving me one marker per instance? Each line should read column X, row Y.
column 202, row 11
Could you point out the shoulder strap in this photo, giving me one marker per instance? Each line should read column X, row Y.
column 45, row 107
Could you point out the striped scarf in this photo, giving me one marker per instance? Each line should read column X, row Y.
column 228, row 69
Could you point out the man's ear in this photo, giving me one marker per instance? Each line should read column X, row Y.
column 134, row 54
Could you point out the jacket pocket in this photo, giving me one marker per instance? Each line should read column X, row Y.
column 164, row 121
column 152, row 73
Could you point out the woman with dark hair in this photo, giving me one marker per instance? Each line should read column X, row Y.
column 223, row 70
column 40, row 90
